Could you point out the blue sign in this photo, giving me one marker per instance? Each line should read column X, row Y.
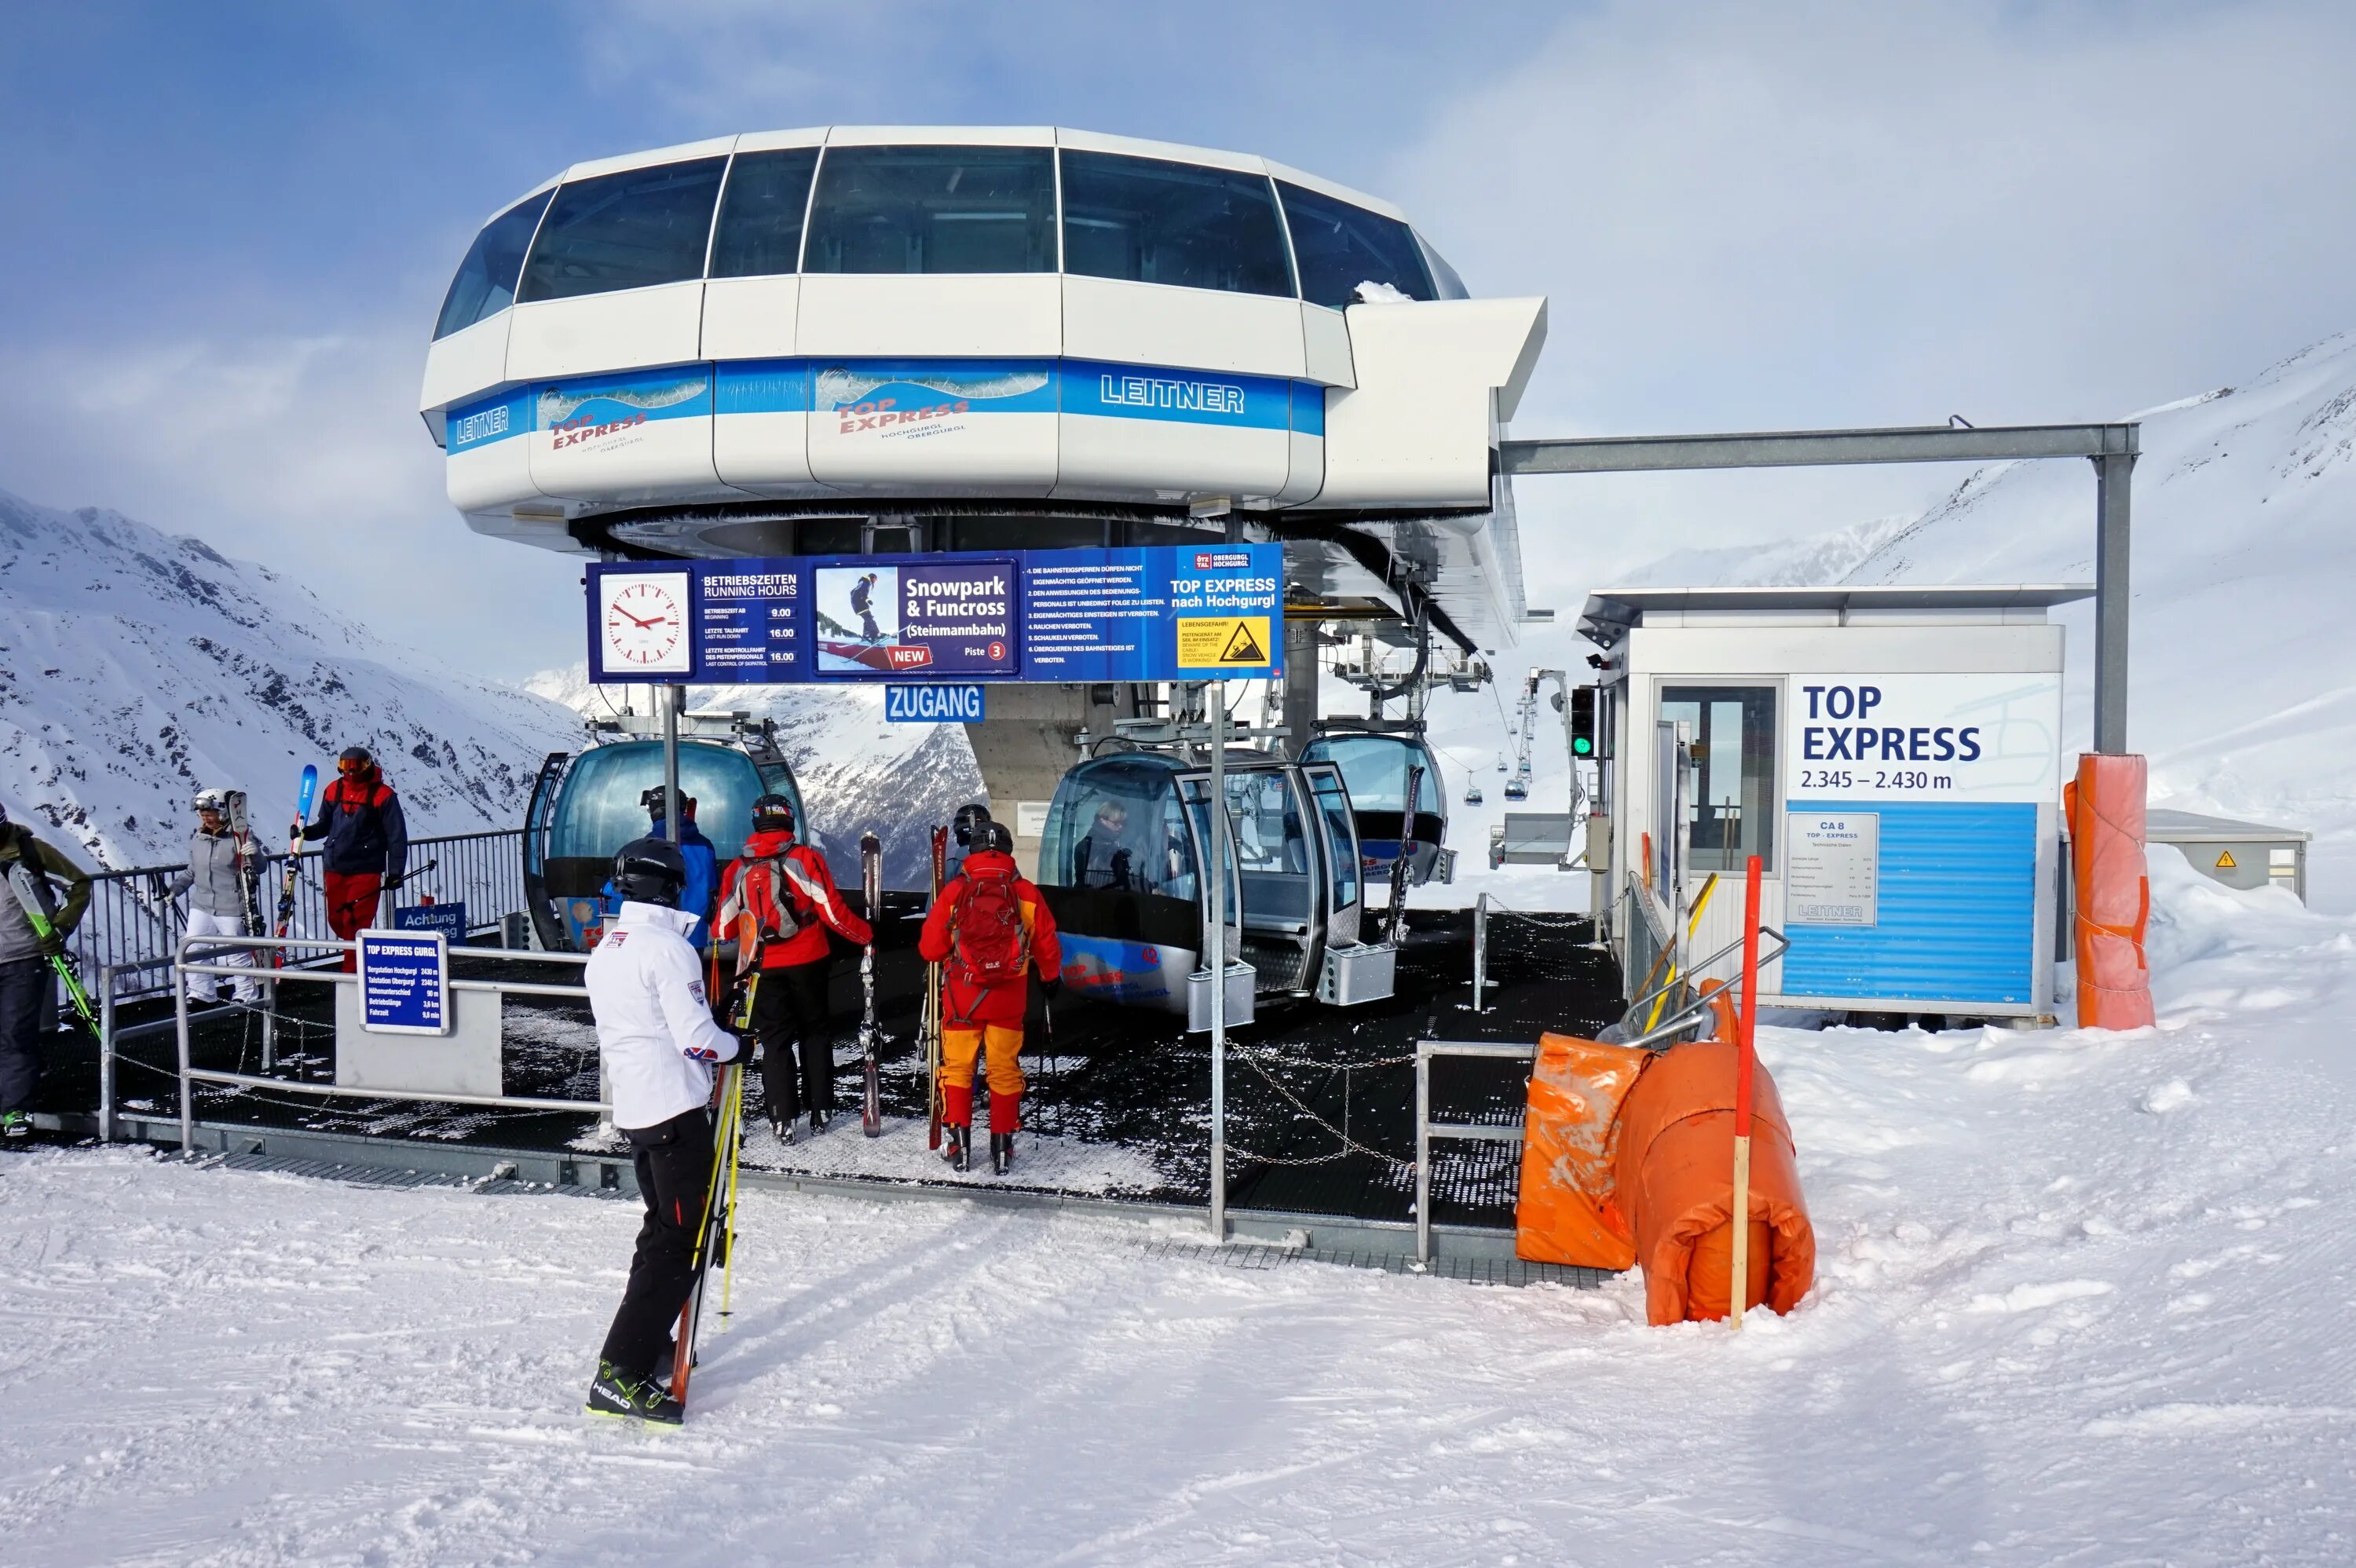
column 450, row 920
column 934, row 704
column 1151, row 613
column 405, row 982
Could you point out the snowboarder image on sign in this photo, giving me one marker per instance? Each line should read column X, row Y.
column 656, row 1044
column 990, row 928
column 367, row 844
column 790, row 894
column 29, row 972
column 863, row 603
column 217, row 881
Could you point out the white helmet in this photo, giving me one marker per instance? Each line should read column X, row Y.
column 212, row 800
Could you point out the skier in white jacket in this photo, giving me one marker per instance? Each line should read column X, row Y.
column 658, row 1044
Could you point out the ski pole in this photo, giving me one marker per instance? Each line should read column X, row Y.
column 735, row 1151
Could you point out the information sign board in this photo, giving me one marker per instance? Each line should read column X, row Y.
column 934, row 704
column 405, row 982
column 1148, row 613
column 1834, row 869
column 450, row 920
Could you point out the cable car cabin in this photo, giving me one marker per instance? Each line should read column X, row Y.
column 1120, row 865
column 1378, row 769
column 586, row 807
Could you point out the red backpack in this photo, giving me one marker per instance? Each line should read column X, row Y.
column 987, row 941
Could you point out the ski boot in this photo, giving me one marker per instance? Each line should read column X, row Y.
column 819, row 1120
column 1002, row 1153
column 624, row 1398
column 15, row 1125
column 957, row 1147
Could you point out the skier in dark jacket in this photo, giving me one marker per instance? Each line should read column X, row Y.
column 367, row 847
column 28, row 977
column 862, row 604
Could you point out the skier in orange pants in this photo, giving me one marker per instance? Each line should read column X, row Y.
column 991, row 928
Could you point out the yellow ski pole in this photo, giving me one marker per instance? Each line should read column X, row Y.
column 735, row 1148
column 1693, row 924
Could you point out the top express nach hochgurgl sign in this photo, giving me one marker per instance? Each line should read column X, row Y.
column 1151, row 613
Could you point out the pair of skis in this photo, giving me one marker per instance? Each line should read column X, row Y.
column 305, row 794
column 871, row 878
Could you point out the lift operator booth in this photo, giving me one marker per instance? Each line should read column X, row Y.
column 1892, row 754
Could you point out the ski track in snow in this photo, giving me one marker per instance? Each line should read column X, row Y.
column 2082, row 1298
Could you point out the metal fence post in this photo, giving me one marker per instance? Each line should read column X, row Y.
column 106, row 1055
column 180, row 1015
column 1422, row 1155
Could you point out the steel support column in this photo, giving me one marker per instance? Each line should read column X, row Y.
column 2112, row 594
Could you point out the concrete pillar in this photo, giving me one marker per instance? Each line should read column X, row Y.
column 1027, row 745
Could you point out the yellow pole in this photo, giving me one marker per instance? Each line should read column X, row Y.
column 736, row 1147
column 1693, row 924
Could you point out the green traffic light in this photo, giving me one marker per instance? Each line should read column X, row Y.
column 1582, row 746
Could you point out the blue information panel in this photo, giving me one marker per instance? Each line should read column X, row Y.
column 934, row 704
column 405, row 982
column 1153, row 613
column 450, row 920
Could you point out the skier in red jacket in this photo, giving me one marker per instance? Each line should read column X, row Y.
column 790, row 894
column 991, row 928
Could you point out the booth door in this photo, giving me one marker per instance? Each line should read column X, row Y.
column 1194, row 791
column 1338, row 841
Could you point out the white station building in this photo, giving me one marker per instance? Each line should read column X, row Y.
column 855, row 339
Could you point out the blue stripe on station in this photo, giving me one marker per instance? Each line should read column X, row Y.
column 762, row 385
column 1957, row 911
column 1308, row 409
column 1187, row 397
column 487, row 419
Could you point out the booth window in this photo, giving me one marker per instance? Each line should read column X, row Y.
column 760, row 229
column 933, row 209
column 628, row 231
column 1151, row 221
column 1339, row 246
column 485, row 282
column 1733, row 737
column 1445, row 283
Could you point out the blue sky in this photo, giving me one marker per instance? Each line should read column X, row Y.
column 229, row 230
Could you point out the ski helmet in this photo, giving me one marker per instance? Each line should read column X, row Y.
column 650, row 871
column 353, row 759
column 773, row 813
column 993, row 836
column 968, row 818
column 212, row 800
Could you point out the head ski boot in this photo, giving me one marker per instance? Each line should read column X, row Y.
column 819, row 1120
column 784, row 1131
column 956, row 1147
column 617, row 1395
column 1002, row 1153
column 15, row 1125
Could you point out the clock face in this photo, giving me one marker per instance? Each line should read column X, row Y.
column 646, row 621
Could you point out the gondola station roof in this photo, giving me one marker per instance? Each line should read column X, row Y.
column 1039, row 337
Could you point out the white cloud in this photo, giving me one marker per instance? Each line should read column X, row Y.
column 1767, row 216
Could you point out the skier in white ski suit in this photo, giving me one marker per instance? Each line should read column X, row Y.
column 215, row 883
column 657, row 1043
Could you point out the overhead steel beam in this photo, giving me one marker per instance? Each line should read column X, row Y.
column 1809, row 448
column 2113, row 448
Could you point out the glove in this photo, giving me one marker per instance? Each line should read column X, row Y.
column 391, row 882
column 53, row 946
column 1049, row 988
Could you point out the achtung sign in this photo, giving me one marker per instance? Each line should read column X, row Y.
column 1223, row 642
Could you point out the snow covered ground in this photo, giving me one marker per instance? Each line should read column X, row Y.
column 2083, row 1298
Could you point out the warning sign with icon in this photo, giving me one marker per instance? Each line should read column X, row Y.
column 2225, row 861
column 1233, row 645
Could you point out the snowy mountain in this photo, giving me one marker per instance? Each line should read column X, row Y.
column 136, row 667
column 856, row 771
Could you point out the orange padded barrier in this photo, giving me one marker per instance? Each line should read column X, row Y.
column 1673, row 1176
column 1566, row 1213
column 2113, row 890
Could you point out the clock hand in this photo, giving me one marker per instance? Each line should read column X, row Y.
column 626, row 616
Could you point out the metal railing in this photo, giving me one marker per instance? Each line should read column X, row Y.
column 190, row 1074
column 1425, row 1129
column 131, row 934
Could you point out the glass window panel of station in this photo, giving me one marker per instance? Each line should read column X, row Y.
column 1153, row 221
column 1445, row 283
column 1338, row 246
column 485, row 282
column 1120, row 830
column 628, row 231
column 1333, row 804
column 933, row 210
column 1733, row 739
column 760, row 229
